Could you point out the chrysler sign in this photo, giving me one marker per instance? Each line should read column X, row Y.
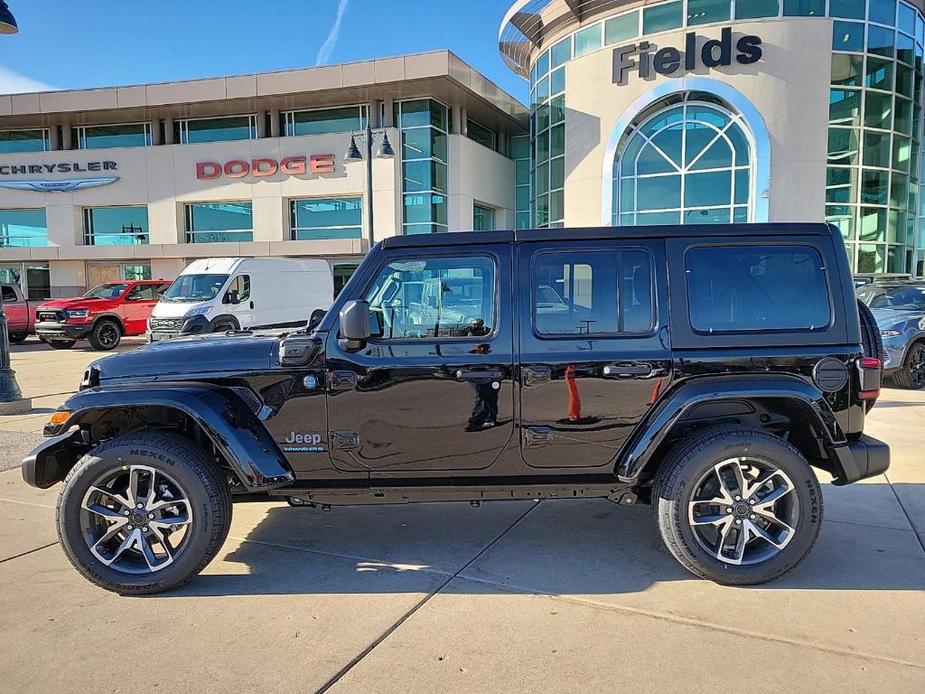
column 53, row 185
column 297, row 165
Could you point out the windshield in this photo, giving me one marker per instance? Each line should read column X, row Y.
column 195, row 288
column 106, row 291
column 902, row 298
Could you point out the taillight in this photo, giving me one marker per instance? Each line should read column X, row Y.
column 870, row 369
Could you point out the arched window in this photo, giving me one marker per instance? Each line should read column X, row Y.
column 684, row 160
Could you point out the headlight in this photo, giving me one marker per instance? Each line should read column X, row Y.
column 890, row 333
column 922, row 324
column 199, row 311
column 77, row 313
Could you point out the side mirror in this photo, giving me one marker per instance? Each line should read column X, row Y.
column 231, row 297
column 354, row 325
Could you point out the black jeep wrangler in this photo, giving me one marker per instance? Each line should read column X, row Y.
column 705, row 371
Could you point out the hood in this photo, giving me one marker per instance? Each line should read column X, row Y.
column 191, row 357
column 73, row 302
column 174, row 309
column 888, row 317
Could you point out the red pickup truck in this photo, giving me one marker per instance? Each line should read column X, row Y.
column 20, row 312
column 104, row 315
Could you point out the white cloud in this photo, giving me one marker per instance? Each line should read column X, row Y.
column 13, row 83
column 324, row 53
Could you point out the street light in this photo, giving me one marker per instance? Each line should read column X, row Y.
column 385, row 151
column 7, row 20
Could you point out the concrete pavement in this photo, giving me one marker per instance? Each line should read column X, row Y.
column 508, row 597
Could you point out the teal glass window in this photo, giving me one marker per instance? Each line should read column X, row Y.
column 116, row 226
column 846, row 69
column 878, row 110
column 848, row 36
column 215, row 222
column 707, row 11
column 698, row 148
column 880, row 41
column 845, row 107
column 588, row 40
column 669, row 15
column 883, row 12
column 343, row 119
column 879, row 74
column 326, row 218
column 481, row 134
column 848, row 9
column 24, row 141
column 216, row 129
column 877, row 149
column 622, row 28
column 422, row 113
column 107, row 136
column 804, row 8
column 753, row 9
column 23, row 228
column 424, row 174
column 905, row 48
column 424, row 124
column 906, row 18
column 483, row 218
column 561, row 53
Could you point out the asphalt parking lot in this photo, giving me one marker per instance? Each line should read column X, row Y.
column 507, row 597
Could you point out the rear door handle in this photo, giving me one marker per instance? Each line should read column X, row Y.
column 627, row 370
column 477, row 375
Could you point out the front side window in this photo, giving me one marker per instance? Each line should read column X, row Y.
column 214, row 222
column 605, row 292
column 216, row 129
column 106, row 136
column 239, row 290
column 326, row 218
column 116, row 226
column 689, row 163
column 901, row 299
column 20, row 228
column 748, row 288
column 434, row 298
column 143, row 292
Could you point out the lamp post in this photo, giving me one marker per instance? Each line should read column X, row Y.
column 353, row 154
column 11, row 399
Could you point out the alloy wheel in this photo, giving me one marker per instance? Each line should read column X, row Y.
column 917, row 366
column 136, row 519
column 108, row 335
column 743, row 511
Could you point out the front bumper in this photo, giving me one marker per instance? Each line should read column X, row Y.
column 160, row 330
column 860, row 459
column 63, row 330
column 50, row 461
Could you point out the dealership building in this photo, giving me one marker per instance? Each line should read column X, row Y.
column 685, row 111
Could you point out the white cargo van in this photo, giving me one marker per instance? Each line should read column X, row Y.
column 222, row 294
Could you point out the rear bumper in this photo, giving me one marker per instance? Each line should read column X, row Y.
column 860, row 459
column 63, row 330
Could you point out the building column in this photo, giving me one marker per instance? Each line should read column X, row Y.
column 274, row 123
column 388, row 120
column 261, row 124
column 66, row 137
column 168, row 131
column 54, row 141
column 155, row 126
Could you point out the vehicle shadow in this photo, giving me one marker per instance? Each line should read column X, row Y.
column 33, row 344
column 583, row 547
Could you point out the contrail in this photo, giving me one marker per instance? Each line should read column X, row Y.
column 324, row 53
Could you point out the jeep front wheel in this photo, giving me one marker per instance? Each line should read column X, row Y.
column 737, row 505
column 143, row 513
column 106, row 335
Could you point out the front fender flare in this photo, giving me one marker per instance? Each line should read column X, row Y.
column 671, row 409
column 231, row 426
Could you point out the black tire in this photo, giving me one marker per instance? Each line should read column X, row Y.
column 911, row 374
column 694, row 460
column 18, row 338
column 226, row 325
column 106, row 335
column 60, row 344
column 870, row 333
column 198, row 477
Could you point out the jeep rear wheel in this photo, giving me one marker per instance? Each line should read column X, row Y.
column 737, row 505
column 143, row 513
column 106, row 335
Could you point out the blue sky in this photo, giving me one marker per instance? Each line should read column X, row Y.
column 90, row 43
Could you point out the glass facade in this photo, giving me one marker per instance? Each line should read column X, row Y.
column 116, row 226
column 683, row 163
column 520, row 153
column 214, row 222
column 19, row 228
column 12, row 141
column 106, row 136
column 424, row 125
column 483, row 218
column 343, row 119
column 221, row 129
column 481, row 134
column 547, row 133
column 326, row 218
column 33, row 278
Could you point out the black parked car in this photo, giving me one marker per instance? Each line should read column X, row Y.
column 705, row 371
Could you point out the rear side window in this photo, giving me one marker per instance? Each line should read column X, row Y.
column 605, row 292
column 751, row 288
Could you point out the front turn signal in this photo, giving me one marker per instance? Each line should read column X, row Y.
column 59, row 417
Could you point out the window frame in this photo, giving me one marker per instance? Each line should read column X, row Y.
column 81, row 133
column 293, row 204
column 90, row 234
column 183, row 128
column 46, row 139
column 411, row 256
column 189, row 234
column 618, row 250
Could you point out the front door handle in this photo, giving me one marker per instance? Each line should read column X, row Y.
column 477, row 375
column 252, row 305
column 628, row 370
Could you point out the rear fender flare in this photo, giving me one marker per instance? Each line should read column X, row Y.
column 656, row 428
column 232, row 427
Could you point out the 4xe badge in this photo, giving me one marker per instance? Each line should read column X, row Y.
column 303, row 443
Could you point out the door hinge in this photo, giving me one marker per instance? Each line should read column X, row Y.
column 344, row 440
column 537, row 436
column 341, row 380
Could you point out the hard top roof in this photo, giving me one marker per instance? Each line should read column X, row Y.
column 461, row 238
